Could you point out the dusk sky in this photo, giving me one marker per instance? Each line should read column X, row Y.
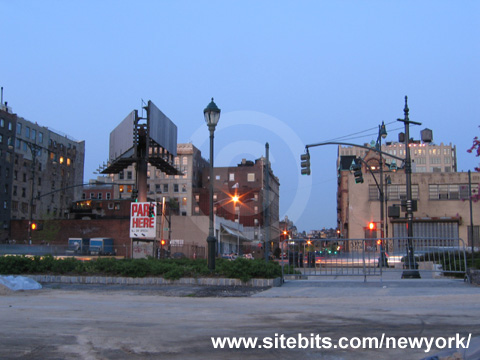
column 289, row 73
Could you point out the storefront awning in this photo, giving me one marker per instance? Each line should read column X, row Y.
column 234, row 232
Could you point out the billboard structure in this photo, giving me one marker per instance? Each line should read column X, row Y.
column 142, row 141
column 135, row 141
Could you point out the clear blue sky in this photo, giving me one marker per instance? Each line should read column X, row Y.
column 289, row 73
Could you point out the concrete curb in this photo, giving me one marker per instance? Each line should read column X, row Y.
column 112, row 280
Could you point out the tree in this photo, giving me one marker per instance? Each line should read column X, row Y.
column 475, row 149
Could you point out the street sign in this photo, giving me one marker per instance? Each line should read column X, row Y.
column 143, row 220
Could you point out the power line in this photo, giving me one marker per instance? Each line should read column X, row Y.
column 351, row 136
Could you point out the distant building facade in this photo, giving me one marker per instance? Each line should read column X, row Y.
column 248, row 182
column 45, row 167
column 442, row 202
column 8, row 123
column 426, row 156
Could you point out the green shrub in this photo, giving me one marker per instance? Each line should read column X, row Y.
column 242, row 269
column 13, row 265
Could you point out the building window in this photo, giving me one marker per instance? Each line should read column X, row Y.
column 19, row 129
column 251, row 177
column 129, row 175
column 92, row 195
column 231, row 177
column 184, row 201
column 185, row 161
column 27, row 132
column 120, row 175
column 184, row 188
column 396, row 192
column 450, row 192
column 99, row 196
column 108, row 195
column 175, row 188
column 197, row 210
column 165, row 188
column 84, row 196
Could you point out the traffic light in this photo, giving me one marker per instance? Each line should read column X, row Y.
column 372, row 226
column 135, row 195
column 151, row 210
column 305, row 164
column 357, row 172
column 163, row 242
column 379, row 242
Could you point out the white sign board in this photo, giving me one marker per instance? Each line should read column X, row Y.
column 142, row 225
column 142, row 249
column 176, row 242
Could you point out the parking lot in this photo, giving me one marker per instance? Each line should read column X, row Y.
column 82, row 322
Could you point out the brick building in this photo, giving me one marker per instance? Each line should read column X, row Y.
column 247, row 180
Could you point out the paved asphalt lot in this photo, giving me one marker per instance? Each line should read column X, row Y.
column 132, row 322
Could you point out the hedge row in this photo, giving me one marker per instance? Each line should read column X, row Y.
column 172, row 269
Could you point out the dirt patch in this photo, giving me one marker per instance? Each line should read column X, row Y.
column 162, row 290
column 4, row 290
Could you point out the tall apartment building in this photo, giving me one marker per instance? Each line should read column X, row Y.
column 427, row 157
column 8, row 123
column 43, row 165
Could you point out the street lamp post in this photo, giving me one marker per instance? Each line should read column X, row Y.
column 411, row 265
column 212, row 115
column 382, row 134
column 34, row 149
